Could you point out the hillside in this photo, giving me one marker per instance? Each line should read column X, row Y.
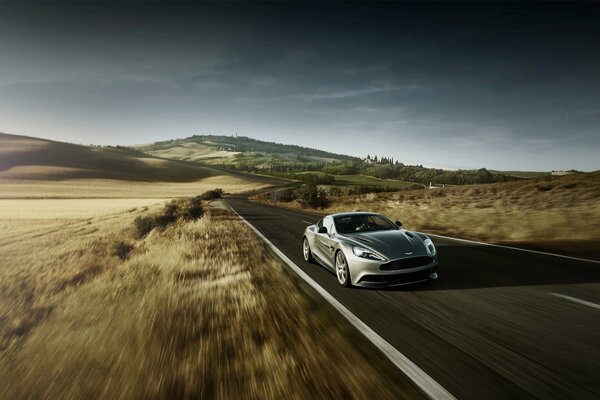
column 250, row 155
column 38, row 168
column 24, row 157
column 227, row 150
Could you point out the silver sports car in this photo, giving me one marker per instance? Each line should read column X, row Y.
column 367, row 249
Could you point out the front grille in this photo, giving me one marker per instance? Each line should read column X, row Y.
column 406, row 263
column 398, row 279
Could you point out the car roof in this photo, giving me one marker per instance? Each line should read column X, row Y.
column 348, row 214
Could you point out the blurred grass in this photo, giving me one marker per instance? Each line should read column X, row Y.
column 194, row 309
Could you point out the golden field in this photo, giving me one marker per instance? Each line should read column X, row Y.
column 190, row 151
column 554, row 213
column 123, row 189
column 36, row 168
column 198, row 309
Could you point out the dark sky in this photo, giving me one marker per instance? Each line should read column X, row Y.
column 455, row 85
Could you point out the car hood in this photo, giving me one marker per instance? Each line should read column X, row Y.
column 392, row 244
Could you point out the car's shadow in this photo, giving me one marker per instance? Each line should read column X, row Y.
column 472, row 266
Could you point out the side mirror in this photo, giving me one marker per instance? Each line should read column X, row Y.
column 322, row 230
column 398, row 223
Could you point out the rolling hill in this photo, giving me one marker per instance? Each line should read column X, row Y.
column 37, row 168
column 24, row 157
column 252, row 155
column 217, row 149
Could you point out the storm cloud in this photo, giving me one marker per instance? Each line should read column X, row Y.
column 500, row 85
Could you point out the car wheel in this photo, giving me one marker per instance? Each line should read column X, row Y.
column 341, row 270
column 308, row 257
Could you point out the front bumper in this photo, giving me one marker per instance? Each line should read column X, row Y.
column 367, row 273
column 398, row 279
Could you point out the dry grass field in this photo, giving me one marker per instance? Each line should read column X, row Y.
column 35, row 168
column 38, row 159
column 553, row 213
column 190, row 151
column 92, row 308
column 120, row 189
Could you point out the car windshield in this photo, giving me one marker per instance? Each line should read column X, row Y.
column 362, row 223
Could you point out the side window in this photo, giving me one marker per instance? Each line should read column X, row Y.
column 320, row 224
column 328, row 223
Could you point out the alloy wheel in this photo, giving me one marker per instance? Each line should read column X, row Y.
column 341, row 269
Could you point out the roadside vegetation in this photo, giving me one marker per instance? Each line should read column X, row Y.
column 179, row 300
column 552, row 213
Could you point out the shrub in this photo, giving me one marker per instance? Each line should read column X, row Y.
column 284, row 195
column 143, row 225
column 122, row 249
column 191, row 209
column 335, row 191
column 313, row 196
column 212, row 194
column 187, row 209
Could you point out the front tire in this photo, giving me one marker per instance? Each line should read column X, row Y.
column 308, row 257
column 341, row 270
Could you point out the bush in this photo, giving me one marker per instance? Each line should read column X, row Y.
column 191, row 209
column 212, row 194
column 122, row 249
column 187, row 209
column 313, row 196
column 284, row 195
column 143, row 225
column 335, row 191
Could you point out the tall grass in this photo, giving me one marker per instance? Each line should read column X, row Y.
column 197, row 308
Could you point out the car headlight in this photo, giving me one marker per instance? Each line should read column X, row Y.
column 430, row 247
column 366, row 253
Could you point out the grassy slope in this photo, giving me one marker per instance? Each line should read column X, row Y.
column 29, row 158
column 37, row 168
column 190, row 151
column 199, row 310
column 547, row 213
column 241, row 150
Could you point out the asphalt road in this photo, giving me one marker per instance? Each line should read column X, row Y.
column 493, row 326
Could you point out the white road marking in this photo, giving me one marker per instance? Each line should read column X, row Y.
column 427, row 384
column 576, row 300
column 308, row 222
column 516, row 248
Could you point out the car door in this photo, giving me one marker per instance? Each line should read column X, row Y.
column 326, row 242
column 316, row 245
